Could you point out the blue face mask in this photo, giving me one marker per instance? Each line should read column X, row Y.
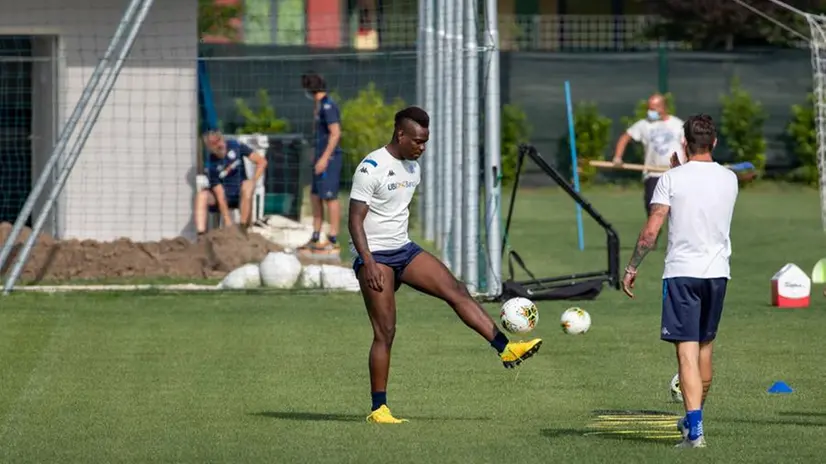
column 653, row 115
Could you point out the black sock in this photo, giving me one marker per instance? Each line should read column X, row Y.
column 499, row 342
column 332, row 239
column 315, row 237
column 379, row 399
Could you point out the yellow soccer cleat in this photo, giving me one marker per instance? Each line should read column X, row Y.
column 516, row 352
column 383, row 416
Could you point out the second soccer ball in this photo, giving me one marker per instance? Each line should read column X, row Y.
column 674, row 388
column 575, row 321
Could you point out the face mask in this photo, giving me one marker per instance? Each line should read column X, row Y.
column 309, row 96
column 653, row 115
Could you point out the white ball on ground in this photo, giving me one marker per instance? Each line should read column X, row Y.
column 575, row 321
column 674, row 389
column 311, row 276
column 246, row 276
column 280, row 270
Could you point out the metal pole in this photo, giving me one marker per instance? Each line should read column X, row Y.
column 438, row 127
column 67, row 131
column 471, row 165
column 458, row 138
column 74, row 154
column 492, row 150
column 430, row 106
column 447, row 158
column 421, row 194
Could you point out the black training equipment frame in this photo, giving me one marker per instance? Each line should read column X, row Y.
column 585, row 286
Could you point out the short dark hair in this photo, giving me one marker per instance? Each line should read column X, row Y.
column 415, row 114
column 313, row 82
column 700, row 134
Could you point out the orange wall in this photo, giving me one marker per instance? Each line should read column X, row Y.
column 324, row 20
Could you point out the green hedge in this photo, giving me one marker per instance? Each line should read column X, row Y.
column 740, row 128
column 367, row 123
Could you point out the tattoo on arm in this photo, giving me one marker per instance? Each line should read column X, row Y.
column 648, row 235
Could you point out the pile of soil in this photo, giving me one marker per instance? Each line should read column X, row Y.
column 213, row 255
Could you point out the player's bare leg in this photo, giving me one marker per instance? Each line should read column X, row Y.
column 318, row 212
column 706, row 370
column 221, row 199
column 691, row 386
column 247, row 192
column 334, row 215
column 317, row 207
column 203, row 200
column 430, row 276
column 381, row 308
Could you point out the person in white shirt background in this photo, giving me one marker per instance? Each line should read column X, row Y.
column 698, row 198
column 660, row 134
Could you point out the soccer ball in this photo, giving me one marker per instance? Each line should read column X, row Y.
column 674, row 387
column 575, row 321
column 519, row 315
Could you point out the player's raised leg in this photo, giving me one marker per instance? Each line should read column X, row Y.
column 381, row 308
column 428, row 275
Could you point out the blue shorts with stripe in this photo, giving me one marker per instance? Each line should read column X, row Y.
column 397, row 259
column 692, row 308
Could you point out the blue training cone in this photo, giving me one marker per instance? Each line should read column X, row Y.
column 780, row 387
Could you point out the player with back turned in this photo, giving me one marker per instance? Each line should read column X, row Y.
column 383, row 186
column 698, row 198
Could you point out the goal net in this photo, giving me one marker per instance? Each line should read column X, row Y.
column 818, row 51
column 130, row 129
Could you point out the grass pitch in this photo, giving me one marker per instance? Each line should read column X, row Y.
column 283, row 378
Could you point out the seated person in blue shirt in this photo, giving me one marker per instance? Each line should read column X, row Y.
column 229, row 187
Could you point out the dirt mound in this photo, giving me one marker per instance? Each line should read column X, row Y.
column 212, row 256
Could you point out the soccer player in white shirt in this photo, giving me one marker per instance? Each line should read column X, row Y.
column 383, row 186
column 698, row 198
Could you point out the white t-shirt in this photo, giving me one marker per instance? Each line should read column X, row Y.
column 386, row 185
column 660, row 140
column 701, row 196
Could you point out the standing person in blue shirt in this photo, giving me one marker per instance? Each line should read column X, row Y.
column 229, row 187
column 327, row 164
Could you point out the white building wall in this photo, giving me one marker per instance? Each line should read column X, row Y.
column 134, row 177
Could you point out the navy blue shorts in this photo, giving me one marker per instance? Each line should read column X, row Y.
column 397, row 259
column 692, row 308
column 326, row 184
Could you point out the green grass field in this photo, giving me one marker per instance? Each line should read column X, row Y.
column 283, row 378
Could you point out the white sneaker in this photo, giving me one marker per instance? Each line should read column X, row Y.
column 700, row 442
column 682, row 427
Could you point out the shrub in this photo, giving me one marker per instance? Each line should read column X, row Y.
column 802, row 137
column 742, row 126
column 262, row 120
column 593, row 133
column 366, row 124
column 515, row 130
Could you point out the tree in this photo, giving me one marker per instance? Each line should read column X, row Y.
column 216, row 19
column 713, row 24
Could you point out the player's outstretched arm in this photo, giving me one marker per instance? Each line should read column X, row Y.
column 355, row 224
column 645, row 243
